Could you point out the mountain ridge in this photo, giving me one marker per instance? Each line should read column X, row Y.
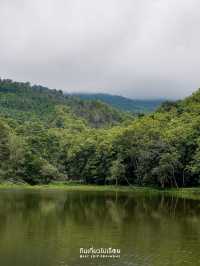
column 22, row 99
column 121, row 102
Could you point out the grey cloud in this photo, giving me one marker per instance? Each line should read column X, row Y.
column 138, row 48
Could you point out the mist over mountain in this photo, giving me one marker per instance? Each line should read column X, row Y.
column 123, row 103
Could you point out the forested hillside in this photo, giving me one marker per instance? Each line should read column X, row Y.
column 23, row 102
column 45, row 136
column 123, row 103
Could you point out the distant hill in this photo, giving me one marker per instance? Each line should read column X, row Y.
column 23, row 102
column 123, row 103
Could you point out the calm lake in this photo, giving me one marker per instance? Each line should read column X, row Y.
column 48, row 228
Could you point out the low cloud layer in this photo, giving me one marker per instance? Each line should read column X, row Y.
column 136, row 48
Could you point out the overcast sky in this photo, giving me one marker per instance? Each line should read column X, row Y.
column 136, row 48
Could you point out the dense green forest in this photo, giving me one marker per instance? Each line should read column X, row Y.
column 46, row 136
column 123, row 103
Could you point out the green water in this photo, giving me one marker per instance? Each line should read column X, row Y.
column 48, row 228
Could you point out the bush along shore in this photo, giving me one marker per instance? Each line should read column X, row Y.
column 185, row 193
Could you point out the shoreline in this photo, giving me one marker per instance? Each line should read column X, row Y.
column 187, row 193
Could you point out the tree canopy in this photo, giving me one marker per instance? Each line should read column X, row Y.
column 46, row 136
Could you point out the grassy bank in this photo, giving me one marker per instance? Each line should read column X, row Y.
column 78, row 187
column 186, row 193
column 189, row 193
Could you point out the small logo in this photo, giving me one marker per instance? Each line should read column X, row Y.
column 100, row 253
